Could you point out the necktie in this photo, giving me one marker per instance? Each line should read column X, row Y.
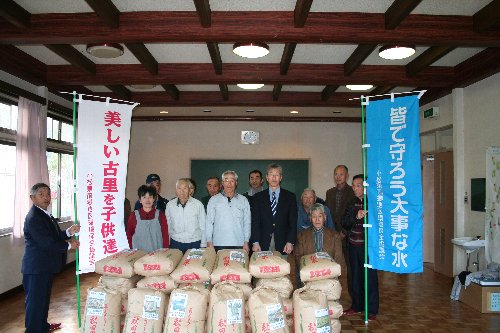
column 55, row 224
column 273, row 204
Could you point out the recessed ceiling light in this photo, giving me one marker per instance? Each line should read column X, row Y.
column 163, row 111
column 294, row 112
column 105, row 50
column 359, row 87
column 394, row 52
column 250, row 86
column 249, row 110
column 207, row 110
column 251, row 50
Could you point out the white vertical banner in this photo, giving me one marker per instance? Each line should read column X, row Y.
column 492, row 216
column 102, row 157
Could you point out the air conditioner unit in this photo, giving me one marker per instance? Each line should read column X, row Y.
column 431, row 113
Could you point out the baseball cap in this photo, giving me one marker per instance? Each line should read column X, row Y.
column 152, row 177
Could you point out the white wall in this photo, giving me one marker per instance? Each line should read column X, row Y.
column 166, row 148
column 10, row 261
column 481, row 110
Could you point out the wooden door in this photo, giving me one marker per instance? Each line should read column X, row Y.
column 443, row 213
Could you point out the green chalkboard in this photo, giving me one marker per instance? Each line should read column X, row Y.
column 295, row 173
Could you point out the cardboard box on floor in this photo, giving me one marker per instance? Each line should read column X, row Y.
column 481, row 298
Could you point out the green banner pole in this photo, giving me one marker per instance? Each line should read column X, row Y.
column 76, row 213
column 363, row 152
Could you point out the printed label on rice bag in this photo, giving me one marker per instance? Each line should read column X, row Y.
column 275, row 316
column 151, row 307
column 237, row 256
column 323, row 255
column 95, row 303
column 195, row 254
column 322, row 321
column 264, row 253
column 234, row 311
column 178, row 304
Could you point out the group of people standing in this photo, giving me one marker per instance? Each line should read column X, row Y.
column 259, row 220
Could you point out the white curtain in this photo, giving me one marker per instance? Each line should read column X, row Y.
column 31, row 157
column 492, row 216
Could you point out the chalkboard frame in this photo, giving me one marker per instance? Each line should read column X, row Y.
column 295, row 172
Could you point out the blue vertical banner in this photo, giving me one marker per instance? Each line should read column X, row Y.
column 394, row 184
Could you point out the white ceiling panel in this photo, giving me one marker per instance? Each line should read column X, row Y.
column 155, row 88
column 54, row 6
column 180, row 53
column 154, row 5
column 370, row 6
column 200, row 87
column 447, row 7
column 274, row 56
column 322, row 53
column 303, row 88
column 254, row 5
column 98, row 89
column 43, row 54
column 457, row 56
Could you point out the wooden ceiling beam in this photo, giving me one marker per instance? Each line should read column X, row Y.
column 203, row 73
column 286, row 57
column 328, row 92
column 398, row 11
column 204, row 12
column 213, row 50
column 73, row 56
column 15, row 14
column 478, row 67
column 380, row 90
column 302, row 8
column 121, row 91
column 145, row 57
column 224, row 91
column 107, row 11
column 357, row 57
column 22, row 65
column 244, row 98
column 227, row 27
column 487, row 17
column 172, row 90
column 12, row 90
column 276, row 91
column 427, row 58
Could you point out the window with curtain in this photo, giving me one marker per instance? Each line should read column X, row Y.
column 8, row 126
column 60, row 166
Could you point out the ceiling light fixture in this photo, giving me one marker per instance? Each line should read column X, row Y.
column 251, row 50
column 294, row 112
column 163, row 112
column 395, row 52
column 359, row 87
column 250, row 86
column 105, row 50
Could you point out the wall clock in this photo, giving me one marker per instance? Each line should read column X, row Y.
column 249, row 137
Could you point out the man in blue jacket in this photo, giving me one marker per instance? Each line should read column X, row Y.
column 46, row 248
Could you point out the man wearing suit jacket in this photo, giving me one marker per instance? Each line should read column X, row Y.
column 274, row 215
column 46, row 248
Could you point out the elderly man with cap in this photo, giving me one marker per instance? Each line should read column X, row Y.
column 155, row 181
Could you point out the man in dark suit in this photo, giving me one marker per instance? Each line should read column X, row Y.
column 46, row 248
column 274, row 215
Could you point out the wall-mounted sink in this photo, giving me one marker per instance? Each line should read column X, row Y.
column 469, row 244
